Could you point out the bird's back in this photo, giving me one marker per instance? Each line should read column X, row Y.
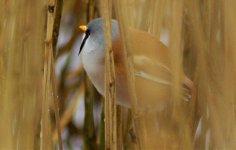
column 151, row 69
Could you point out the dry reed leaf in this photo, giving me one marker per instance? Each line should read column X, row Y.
column 21, row 92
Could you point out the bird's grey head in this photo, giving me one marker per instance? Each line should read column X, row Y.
column 93, row 39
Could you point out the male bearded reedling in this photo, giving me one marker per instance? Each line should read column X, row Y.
column 151, row 64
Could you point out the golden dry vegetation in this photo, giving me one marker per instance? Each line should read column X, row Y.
column 46, row 99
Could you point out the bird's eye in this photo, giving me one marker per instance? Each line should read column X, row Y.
column 87, row 33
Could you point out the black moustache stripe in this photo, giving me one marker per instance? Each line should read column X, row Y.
column 87, row 33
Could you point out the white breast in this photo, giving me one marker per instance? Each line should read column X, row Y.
column 92, row 56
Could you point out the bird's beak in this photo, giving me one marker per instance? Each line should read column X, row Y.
column 83, row 28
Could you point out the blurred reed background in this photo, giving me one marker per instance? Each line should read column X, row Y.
column 200, row 37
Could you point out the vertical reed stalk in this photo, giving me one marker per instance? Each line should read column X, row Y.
column 128, row 65
column 110, row 94
column 54, row 11
column 89, row 97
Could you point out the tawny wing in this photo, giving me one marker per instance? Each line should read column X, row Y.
column 152, row 70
